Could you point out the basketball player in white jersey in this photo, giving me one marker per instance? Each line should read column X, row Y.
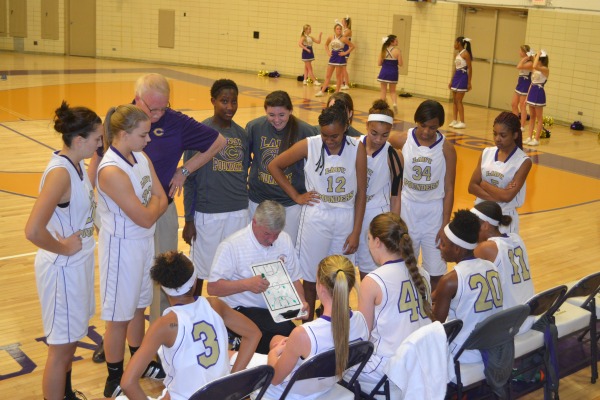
column 130, row 202
column 335, row 329
column 507, row 251
column 472, row 291
column 333, row 207
column 61, row 225
column 395, row 298
column 428, row 184
column 502, row 170
column 190, row 337
column 384, row 177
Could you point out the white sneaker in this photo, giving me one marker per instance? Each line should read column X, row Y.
column 345, row 87
column 527, row 140
column 451, row 124
column 460, row 125
column 320, row 94
column 533, row 142
column 316, row 82
column 304, row 82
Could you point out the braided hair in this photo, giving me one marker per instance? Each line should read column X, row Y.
column 391, row 230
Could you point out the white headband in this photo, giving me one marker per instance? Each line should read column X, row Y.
column 458, row 241
column 183, row 289
column 543, row 53
column 484, row 217
column 466, row 39
column 530, row 53
column 384, row 39
column 381, row 118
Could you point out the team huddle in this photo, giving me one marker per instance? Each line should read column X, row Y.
column 323, row 200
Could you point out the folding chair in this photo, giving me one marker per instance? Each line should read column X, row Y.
column 571, row 318
column 495, row 331
column 322, row 365
column 237, row 386
column 382, row 388
column 534, row 341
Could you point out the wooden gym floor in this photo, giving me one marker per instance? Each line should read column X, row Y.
column 560, row 220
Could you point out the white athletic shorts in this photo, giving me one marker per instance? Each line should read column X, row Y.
column 424, row 221
column 364, row 261
column 322, row 232
column 211, row 230
column 67, row 299
column 125, row 283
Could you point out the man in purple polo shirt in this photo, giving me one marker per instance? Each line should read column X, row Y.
column 171, row 134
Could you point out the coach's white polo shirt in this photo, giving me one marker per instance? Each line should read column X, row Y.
column 239, row 251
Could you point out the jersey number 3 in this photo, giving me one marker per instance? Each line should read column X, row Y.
column 206, row 333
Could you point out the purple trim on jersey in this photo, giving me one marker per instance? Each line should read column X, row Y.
column 79, row 173
column 509, row 156
column 66, row 294
column 328, row 318
column 117, row 152
column 170, row 136
column 393, row 261
column 364, row 142
column 341, row 149
column 434, row 143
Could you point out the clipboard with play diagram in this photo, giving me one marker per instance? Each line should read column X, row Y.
column 281, row 297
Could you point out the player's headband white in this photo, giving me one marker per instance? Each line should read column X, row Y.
column 543, row 53
column 484, row 217
column 381, row 118
column 384, row 39
column 458, row 241
column 183, row 289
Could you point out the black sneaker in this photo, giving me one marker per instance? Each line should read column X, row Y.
column 75, row 395
column 98, row 356
column 154, row 371
column 112, row 388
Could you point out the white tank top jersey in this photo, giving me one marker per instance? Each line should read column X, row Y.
column 501, row 173
column 333, row 176
column 424, row 169
column 524, row 72
column 479, row 295
column 538, row 78
column 307, row 40
column 460, row 62
column 113, row 219
column 512, row 262
column 321, row 340
column 199, row 354
column 400, row 311
column 378, row 177
column 78, row 215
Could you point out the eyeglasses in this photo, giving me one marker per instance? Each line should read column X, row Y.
column 156, row 110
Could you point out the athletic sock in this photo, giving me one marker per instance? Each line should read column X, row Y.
column 132, row 350
column 115, row 370
column 68, row 387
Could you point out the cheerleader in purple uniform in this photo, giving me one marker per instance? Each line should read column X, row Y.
column 347, row 32
column 461, row 82
column 390, row 59
column 308, row 56
column 337, row 58
column 536, row 98
column 520, row 95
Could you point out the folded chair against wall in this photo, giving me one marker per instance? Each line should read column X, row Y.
column 383, row 390
column 494, row 338
column 541, row 339
column 571, row 318
column 237, row 386
column 322, row 365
